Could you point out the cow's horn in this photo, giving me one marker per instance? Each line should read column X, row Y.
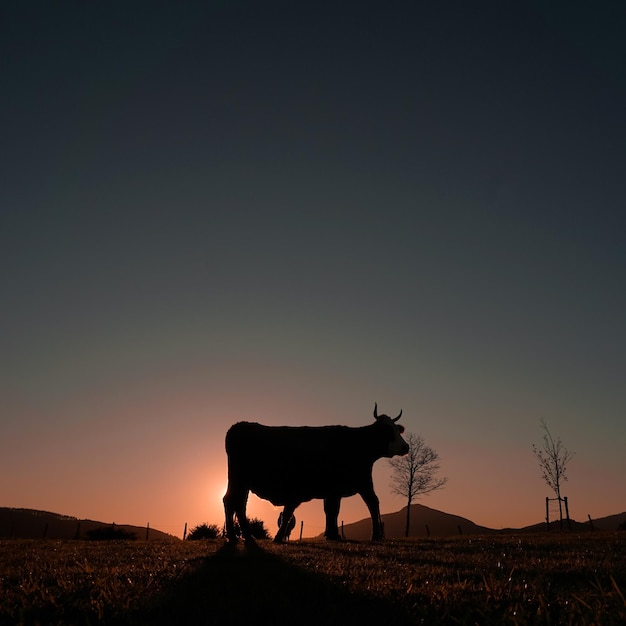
column 375, row 410
column 395, row 419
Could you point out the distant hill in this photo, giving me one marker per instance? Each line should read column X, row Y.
column 424, row 522
column 32, row 524
column 430, row 522
column 611, row 522
column 554, row 525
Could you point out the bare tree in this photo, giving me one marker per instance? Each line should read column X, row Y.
column 414, row 474
column 553, row 458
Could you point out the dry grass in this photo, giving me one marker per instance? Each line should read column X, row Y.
column 527, row 579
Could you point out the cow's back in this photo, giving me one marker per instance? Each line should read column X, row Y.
column 254, row 440
column 285, row 463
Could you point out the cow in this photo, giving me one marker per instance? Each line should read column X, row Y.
column 289, row 465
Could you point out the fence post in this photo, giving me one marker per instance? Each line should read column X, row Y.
column 45, row 531
column 342, row 535
column 427, row 531
column 460, row 531
column 301, row 528
column 590, row 522
column 547, row 513
column 147, row 531
column 569, row 523
column 185, row 532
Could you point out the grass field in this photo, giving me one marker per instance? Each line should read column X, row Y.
column 491, row 579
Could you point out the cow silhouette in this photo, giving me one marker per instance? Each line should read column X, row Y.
column 289, row 465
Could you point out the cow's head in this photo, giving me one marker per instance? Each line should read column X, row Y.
column 395, row 444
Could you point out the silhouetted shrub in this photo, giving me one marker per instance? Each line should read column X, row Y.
column 204, row 531
column 258, row 530
column 110, row 533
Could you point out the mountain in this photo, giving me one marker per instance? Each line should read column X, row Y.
column 611, row 522
column 430, row 522
column 32, row 524
column 424, row 522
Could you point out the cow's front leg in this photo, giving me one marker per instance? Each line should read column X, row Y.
column 331, row 508
column 371, row 500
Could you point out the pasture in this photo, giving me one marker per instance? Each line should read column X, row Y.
column 491, row 579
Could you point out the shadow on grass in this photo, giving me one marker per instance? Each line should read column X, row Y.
column 247, row 585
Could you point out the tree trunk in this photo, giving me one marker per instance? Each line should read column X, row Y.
column 408, row 518
column 558, row 495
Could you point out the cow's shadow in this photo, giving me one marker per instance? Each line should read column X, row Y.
column 250, row 585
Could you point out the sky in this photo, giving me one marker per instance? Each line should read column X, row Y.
column 284, row 212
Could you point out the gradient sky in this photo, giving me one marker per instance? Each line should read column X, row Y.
column 286, row 211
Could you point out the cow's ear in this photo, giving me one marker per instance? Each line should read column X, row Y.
column 401, row 428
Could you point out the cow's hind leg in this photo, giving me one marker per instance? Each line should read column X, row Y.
column 242, row 518
column 235, row 501
column 283, row 531
column 229, row 513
